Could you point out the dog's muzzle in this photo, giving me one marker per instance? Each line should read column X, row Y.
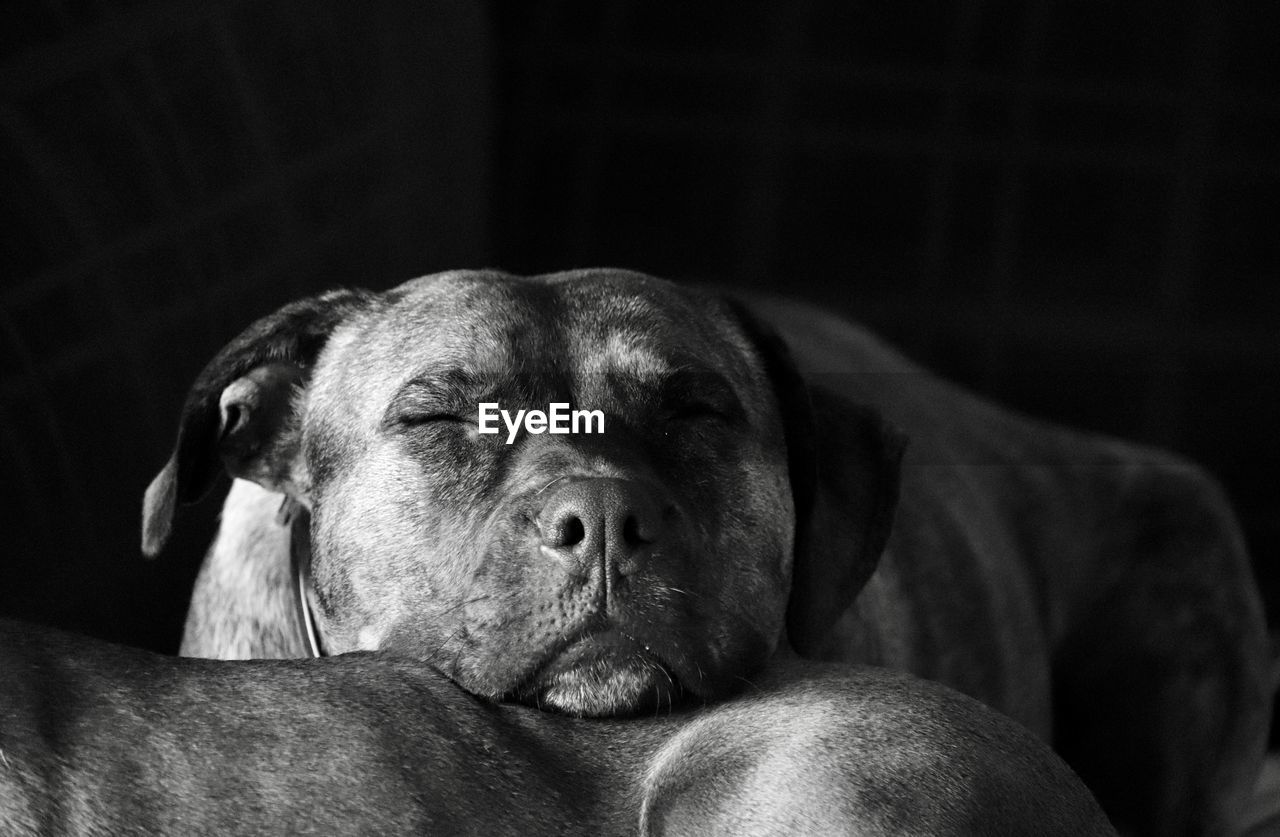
column 604, row 532
column 611, row 527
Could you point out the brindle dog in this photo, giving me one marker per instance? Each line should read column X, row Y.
column 1096, row 591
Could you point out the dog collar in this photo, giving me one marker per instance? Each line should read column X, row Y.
column 298, row 519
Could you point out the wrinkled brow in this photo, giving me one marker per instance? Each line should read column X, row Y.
column 445, row 389
column 442, row 383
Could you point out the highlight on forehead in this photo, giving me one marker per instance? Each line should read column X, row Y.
column 626, row 324
column 622, row 353
column 597, row 322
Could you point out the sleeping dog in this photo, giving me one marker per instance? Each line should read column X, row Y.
column 740, row 497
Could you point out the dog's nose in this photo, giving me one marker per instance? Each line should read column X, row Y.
column 615, row 522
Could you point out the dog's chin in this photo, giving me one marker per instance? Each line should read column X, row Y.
column 604, row 675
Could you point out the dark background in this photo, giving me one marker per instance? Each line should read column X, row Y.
column 1070, row 206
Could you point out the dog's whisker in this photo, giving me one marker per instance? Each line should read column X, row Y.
column 454, row 667
column 444, row 643
column 464, row 603
column 548, row 485
column 457, row 659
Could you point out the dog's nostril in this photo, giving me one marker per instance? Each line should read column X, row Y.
column 632, row 533
column 573, row 533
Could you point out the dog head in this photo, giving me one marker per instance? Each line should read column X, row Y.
column 601, row 571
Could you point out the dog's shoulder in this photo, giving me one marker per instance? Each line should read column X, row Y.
column 862, row 750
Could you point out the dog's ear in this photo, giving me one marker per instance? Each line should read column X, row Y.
column 240, row 409
column 842, row 535
column 843, row 460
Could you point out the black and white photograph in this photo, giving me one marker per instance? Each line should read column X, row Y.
column 614, row 418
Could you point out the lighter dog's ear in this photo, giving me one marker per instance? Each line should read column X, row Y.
column 240, row 409
column 843, row 460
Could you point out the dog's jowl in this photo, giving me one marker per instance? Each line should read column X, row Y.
column 744, row 495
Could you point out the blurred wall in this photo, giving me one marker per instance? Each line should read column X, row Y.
column 1067, row 205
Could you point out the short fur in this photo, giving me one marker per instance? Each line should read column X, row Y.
column 99, row 739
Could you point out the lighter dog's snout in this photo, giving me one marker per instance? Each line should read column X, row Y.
column 613, row 522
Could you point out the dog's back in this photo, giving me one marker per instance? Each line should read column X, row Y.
column 1098, row 591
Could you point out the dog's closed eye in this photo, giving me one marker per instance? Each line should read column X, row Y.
column 693, row 410
column 432, row 400
column 694, row 394
column 415, row 418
